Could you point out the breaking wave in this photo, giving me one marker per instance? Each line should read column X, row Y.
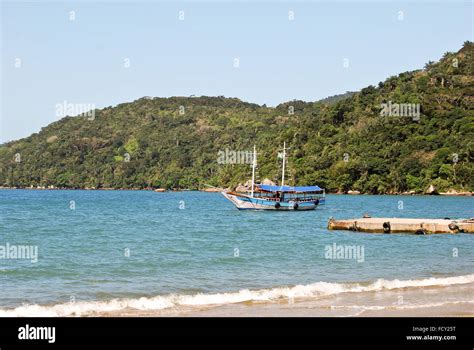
column 156, row 303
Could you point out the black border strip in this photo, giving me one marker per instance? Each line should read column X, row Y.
column 124, row 331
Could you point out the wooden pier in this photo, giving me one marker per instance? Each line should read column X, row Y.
column 402, row 225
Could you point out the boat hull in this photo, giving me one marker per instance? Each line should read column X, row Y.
column 251, row 203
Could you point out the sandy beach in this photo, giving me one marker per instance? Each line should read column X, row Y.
column 431, row 297
column 434, row 301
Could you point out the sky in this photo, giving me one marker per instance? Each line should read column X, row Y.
column 103, row 53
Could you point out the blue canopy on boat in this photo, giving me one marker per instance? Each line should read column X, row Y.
column 270, row 188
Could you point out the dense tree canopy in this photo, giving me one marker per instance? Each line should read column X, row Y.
column 341, row 144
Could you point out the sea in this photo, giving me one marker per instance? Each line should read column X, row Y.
column 94, row 252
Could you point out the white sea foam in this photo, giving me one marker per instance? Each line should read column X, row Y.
column 360, row 309
column 266, row 295
column 399, row 306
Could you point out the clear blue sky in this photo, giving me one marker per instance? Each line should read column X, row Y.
column 82, row 61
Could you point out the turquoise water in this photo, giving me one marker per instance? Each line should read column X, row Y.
column 193, row 242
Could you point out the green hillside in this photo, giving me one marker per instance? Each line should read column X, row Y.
column 340, row 145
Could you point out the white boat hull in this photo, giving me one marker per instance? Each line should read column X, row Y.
column 243, row 202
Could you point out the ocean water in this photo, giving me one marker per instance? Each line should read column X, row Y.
column 111, row 250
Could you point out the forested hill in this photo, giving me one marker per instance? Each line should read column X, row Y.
column 355, row 143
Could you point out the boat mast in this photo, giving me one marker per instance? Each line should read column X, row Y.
column 254, row 164
column 283, row 172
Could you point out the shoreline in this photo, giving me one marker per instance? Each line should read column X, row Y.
column 303, row 310
column 297, row 310
column 160, row 190
column 407, row 301
column 428, row 301
column 428, row 297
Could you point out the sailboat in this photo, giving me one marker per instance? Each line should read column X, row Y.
column 272, row 197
